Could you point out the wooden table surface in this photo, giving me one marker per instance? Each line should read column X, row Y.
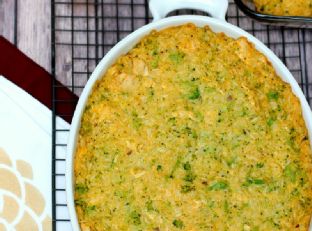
column 27, row 24
column 86, row 29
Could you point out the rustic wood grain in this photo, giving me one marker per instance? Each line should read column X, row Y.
column 32, row 25
column 63, row 52
column 81, row 41
column 7, row 16
column 80, row 44
column 34, row 30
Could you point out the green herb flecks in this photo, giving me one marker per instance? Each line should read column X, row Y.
column 187, row 166
column 120, row 194
column 81, row 188
column 151, row 92
column 291, row 171
column 187, row 188
column 159, row 168
column 176, row 57
column 231, row 161
column 80, row 202
column 150, row 207
column 136, row 120
column 189, row 177
column 178, row 223
column 253, row 181
column 226, row 206
column 135, row 217
column 90, row 209
column 260, row 165
column 155, row 62
column 189, row 131
column 175, row 166
column 220, row 185
column 194, row 94
column 273, row 95
column 270, row 121
column 86, row 128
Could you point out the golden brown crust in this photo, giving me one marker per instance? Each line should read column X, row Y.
column 193, row 130
column 285, row 7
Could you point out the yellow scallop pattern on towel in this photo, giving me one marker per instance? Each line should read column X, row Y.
column 10, row 209
column 22, row 206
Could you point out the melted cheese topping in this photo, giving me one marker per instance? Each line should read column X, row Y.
column 193, row 130
column 285, row 7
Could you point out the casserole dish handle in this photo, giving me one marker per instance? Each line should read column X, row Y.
column 215, row 8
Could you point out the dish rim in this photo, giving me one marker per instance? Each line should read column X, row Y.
column 127, row 44
column 292, row 21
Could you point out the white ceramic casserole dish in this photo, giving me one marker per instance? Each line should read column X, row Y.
column 217, row 9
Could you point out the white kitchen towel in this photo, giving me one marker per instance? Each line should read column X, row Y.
column 26, row 160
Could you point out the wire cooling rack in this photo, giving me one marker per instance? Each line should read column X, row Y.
column 83, row 31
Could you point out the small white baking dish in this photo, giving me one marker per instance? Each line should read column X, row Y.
column 159, row 9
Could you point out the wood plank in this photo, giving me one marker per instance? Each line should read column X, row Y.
column 34, row 37
column 34, row 30
column 7, row 16
column 63, row 60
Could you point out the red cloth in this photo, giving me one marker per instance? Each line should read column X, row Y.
column 25, row 73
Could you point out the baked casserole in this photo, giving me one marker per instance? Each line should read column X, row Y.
column 285, row 7
column 193, row 130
